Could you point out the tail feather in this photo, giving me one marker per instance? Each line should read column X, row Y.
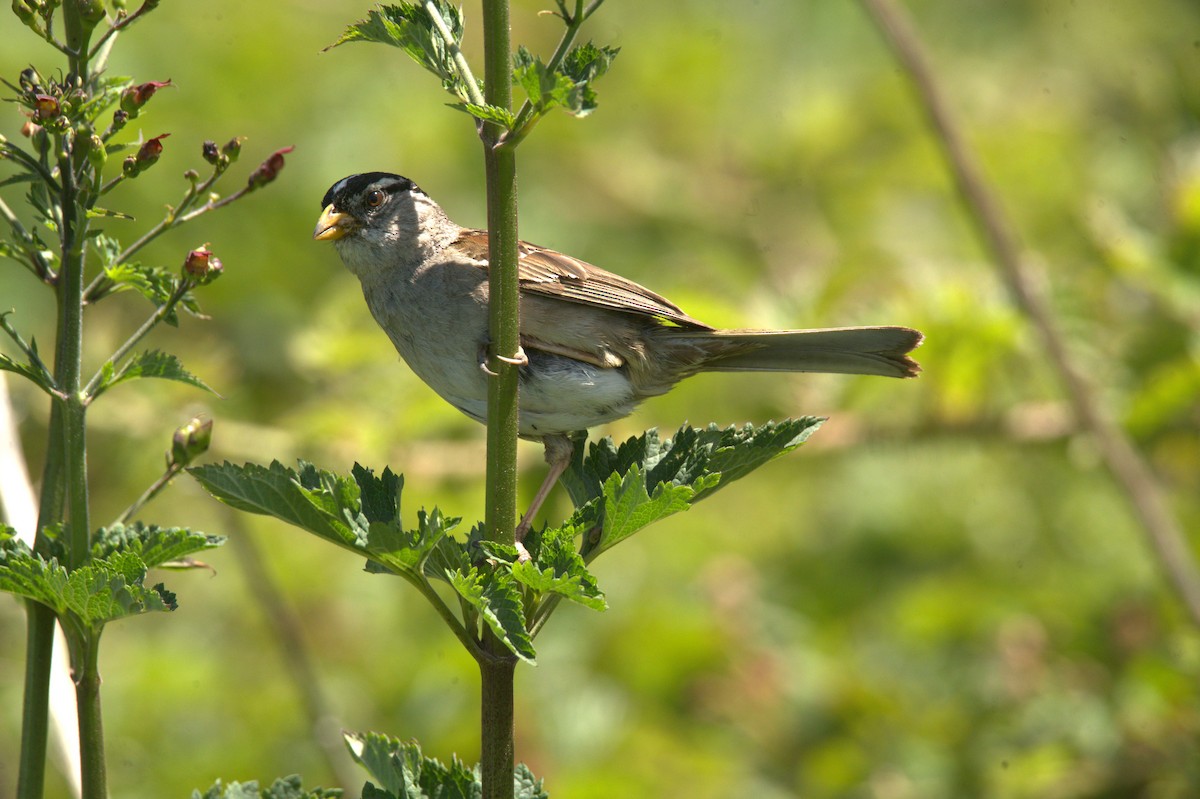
column 840, row 350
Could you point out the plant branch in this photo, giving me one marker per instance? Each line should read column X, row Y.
column 574, row 22
column 1126, row 465
column 159, row 314
column 497, row 752
column 37, row 262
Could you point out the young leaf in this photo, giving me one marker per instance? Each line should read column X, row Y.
column 494, row 593
column 555, row 567
column 582, row 66
column 152, row 363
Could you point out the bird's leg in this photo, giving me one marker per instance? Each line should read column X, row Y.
column 558, row 454
column 521, row 359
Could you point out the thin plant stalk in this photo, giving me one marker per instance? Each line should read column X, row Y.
column 496, row 663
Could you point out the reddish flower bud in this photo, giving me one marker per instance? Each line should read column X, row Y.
column 44, row 107
column 135, row 97
column 269, row 169
column 150, row 150
column 202, row 266
column 30, row 129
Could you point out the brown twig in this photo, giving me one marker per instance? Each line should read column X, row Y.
column 1126, row 465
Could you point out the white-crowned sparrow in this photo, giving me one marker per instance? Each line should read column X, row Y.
column 597, row 344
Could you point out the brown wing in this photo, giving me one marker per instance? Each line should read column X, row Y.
column 552, row 274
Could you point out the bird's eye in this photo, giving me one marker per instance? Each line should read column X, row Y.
column 375, row 198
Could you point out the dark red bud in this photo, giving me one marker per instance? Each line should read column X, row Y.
column 269, row 169
column 135, row 97
column 150, row 151
column 202, row 266
column 44, row 107
column 210, row 152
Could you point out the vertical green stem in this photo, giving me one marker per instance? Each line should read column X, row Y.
column 91, row 727
column 497, row 754
column 497, row 664
column 39, row 637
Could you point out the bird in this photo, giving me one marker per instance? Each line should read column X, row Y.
column 593, row 344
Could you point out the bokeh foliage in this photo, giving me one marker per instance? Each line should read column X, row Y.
column 940, row 596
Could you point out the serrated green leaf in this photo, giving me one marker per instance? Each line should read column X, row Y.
column 495, row 595
column 622, row 489
column 488, row 113
column 555, row 567
column 333, row 507
column 153, row 544
column 628, row 507
column 409, row 27
column 90, row 596
column 152, row 363
column 583, row 65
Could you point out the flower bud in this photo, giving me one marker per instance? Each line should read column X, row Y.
column 269, row 170
column 130, row 166
column 30, row 80
column 150, row 150
column 134, row 97
column 91, row 11
column 45, row 107
column 190, row 441
column 30, row 129
column 202, row 266
column 210, row 152
column 96, row 153
column 233, row 148
column 25, row 11
column 192, row 176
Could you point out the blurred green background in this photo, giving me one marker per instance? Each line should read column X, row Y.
column 942, row 595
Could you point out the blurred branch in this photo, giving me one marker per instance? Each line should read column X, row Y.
column 297, row 659
column 1126, row 465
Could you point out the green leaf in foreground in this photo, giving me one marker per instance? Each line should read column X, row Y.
column 360, row 513
column 619, row 490
column 403, row 772
column 283, row 788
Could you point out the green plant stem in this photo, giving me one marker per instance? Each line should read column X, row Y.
column 497, row 756
column 150, row 493
column 35, row 712
column 497, row 664
column 460, row 60
column 91, row 727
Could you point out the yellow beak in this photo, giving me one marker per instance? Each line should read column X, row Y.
column 333, row 225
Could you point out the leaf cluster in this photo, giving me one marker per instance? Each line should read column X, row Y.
column 403, row 772
column 618, row 490
column 111, row 585
column 432, row 34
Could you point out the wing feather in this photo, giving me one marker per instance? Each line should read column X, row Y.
column 552, row 274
